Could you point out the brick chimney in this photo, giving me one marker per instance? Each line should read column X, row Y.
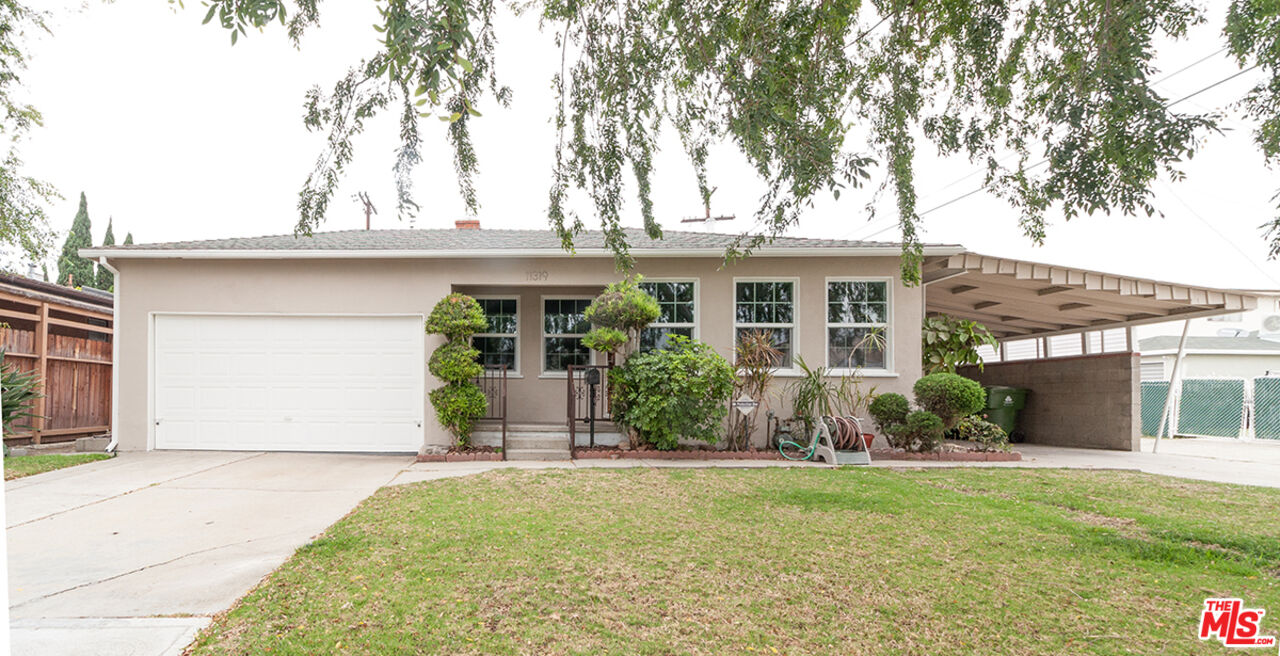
column 467, row 224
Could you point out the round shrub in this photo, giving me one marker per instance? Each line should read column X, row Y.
column 457, row 408
column 456, row 316
column 455, row 362
column 604, row 340
column 623, row 306
column 988, row 436
column 920, row 431
column 889, row 409
column 678, row 392
column 949, row 396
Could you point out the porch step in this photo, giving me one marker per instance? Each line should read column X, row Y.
column 538, row 454
column 521, row 441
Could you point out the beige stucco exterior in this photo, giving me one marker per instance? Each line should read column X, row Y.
column 145, row 287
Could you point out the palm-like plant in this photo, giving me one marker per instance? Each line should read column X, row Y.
column 17, row 390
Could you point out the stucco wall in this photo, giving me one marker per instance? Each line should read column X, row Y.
column 369, row 286
column 1088, row 401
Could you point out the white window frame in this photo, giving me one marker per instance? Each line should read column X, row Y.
column 513, row 372
column 794, row 325
column 697, row 305
column 543, row 335
column 888, row 370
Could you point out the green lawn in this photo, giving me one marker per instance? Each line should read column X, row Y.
column 19, row 466
column 789, row 561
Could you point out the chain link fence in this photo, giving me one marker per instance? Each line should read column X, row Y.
column 1215, row 407
column 1266, row 408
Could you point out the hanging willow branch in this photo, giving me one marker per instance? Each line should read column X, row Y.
column 1051, row 97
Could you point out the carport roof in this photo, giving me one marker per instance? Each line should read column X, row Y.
column 1020, row 299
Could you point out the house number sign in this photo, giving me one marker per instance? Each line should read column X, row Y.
column 536, row 275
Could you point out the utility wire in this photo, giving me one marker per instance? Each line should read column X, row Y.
column 1230, row 242
column 1046, row 160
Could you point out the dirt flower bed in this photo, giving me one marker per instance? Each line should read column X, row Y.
column 693, row 453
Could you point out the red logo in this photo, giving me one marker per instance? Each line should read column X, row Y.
column 1233, row 624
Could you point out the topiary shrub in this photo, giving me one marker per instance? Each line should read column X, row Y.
column 460, row 402
column 988, row 436
column 678, row 392
column 454, row 361
column 604, row 340
column 920, row 431
column 623, row 306
column 457, row 408
column 456, row 316
column 889, row 409
column 949, row 396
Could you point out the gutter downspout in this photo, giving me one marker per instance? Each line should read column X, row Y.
column 1174, row 379
column 115, row 351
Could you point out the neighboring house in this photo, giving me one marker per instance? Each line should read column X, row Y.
column 1247, row 356
column 317, row 343
column 1231, row 324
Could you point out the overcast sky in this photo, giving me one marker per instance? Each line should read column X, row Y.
column 178, row 135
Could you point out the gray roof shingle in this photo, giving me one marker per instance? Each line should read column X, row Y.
column 1202, row 343
column 484, row 240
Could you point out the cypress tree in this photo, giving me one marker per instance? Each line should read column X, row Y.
column 72, row 269
column 128, row 239
column 106, row 281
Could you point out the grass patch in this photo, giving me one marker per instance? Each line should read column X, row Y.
column 794, row 561
column 19, row 466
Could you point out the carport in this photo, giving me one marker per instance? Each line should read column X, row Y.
column 1066, row 335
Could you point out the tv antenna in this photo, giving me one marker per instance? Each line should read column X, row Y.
column 369, row 209
column 707, row 218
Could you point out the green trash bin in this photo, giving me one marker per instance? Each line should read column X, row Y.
column 1003, row 404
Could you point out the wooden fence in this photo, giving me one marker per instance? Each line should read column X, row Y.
column 68, row 342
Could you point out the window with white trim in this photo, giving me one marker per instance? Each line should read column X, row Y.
column 564, row 322
column 678, row 312
column 767, row 306
column 499, row 343
column 857, row 324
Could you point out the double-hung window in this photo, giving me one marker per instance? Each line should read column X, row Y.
column 857, row 324
column 678, row 312
column 499, row 343
column 564, row 322
column 767, row 306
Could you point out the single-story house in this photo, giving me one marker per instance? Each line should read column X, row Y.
column 317, row 343
column 1243, row 356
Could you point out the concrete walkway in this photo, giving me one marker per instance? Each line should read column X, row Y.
column 134, row 555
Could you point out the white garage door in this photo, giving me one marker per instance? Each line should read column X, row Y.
column 288, row 383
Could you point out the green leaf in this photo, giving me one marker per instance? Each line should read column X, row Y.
column 209, row 16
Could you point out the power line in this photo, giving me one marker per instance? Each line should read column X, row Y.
column 1044, row 161
column 1230, row 242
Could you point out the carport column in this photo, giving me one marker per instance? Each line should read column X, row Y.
column 1173, row 381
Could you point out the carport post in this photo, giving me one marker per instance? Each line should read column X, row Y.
column 1173, row 380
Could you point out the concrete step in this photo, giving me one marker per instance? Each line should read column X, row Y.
column 537, row 441
column 538, row 454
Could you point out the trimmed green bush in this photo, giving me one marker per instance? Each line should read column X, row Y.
column 458, row 405
column 920, row 431
column 889, row 409
column 460, row 402
column 623, row 306
column 949, row 396
column 988, row 436
column 456, row 316
column 455, row 361
column 678, row 392
column 604, row 340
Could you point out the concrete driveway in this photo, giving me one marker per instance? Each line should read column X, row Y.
column 134, row 554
